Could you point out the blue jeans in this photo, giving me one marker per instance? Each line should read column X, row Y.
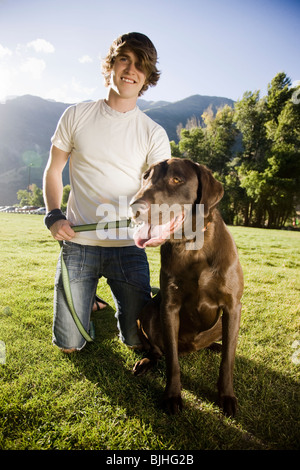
column 127, row 272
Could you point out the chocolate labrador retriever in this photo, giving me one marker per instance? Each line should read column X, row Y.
column 201, row 279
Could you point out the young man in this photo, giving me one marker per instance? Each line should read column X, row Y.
column 110, row 144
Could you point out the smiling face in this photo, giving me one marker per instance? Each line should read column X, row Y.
column 127, row 76
column 143, row 48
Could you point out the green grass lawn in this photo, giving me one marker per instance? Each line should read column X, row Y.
column 91, row 400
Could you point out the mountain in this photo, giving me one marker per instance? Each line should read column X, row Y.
column 147, row 105
column 171, row 114
column 27, row 124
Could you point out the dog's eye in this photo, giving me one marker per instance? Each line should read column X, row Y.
column 176, row 180
column 146, row 175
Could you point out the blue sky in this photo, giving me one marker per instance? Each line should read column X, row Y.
column 53, row 48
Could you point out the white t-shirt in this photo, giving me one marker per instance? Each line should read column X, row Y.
column 109, row 151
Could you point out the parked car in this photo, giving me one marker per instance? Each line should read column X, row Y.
column 8, row 209
column 26, row 209
column 40, row 210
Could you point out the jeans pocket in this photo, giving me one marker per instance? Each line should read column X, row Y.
column 73, row 255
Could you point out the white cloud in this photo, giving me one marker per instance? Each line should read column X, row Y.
column 20, row 71
column 41, row 45
column 4, row 51
column 58, row 94
column 34, row 67
column 77, row 86
column 85, row 59
column 6, row 77
column 71, row 92
column 24, row 70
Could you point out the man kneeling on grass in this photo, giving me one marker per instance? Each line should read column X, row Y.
column 110, row 144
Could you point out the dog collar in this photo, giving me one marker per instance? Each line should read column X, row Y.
column 206, row 227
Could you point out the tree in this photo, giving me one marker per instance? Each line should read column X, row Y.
column 279, row 93
column 269, row 163
column 194, row 144
column 37, row 196
column 212, row 144
column 254, row 150
column 31, row 197
column 221, row 133
column 250, row 117
column 175, row 151
column 65, row 197
column 232, row 205
column 284, row 165
column 24, row 197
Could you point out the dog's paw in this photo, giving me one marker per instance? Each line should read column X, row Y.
column 173, row 405
column 142, row 366
column 228, row 405
column 216, row 347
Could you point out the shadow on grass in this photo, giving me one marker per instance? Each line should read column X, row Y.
column 268, row 415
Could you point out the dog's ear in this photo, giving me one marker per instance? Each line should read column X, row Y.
column 210, row 190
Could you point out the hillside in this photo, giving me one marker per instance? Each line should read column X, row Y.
column 28, row 122
column 172, row 114
column 26, row 126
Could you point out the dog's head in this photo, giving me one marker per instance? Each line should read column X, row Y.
column 171, row 190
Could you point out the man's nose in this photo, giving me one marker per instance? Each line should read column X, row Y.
column 131, row 67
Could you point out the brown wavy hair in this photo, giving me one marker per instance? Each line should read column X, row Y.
column 145, row 51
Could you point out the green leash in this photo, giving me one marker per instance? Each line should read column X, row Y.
column 65, row 275
column 102, row 225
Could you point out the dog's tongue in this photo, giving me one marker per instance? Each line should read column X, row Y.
column 154, row 235
column 148, row 235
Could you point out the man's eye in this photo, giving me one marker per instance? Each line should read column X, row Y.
column 122, row 58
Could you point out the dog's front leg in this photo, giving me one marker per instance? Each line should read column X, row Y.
column 230, row 330
column 170, row 329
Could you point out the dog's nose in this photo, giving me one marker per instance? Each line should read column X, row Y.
column 139, row 208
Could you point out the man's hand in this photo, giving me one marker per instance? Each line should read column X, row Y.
column 62, row 230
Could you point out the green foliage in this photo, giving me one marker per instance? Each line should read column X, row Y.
column 31, row 197
column 65, row 197
column 250, row 117
column 175, row 151
column 254, row 150
column 210, row 145
column 34, row 197
column 279, row 93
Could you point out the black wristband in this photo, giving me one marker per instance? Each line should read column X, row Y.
column 53, row 216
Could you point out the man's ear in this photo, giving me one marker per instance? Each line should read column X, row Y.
column 210, row 190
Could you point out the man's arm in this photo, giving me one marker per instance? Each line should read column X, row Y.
column 53, row 191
